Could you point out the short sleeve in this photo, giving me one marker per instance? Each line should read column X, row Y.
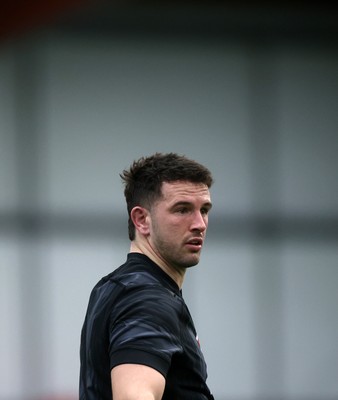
column 144, row 328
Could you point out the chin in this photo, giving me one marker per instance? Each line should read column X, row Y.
column 192, row 263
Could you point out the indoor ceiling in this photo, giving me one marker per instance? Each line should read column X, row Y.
column 279, row 18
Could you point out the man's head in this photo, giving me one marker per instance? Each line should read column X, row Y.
column 145, row 177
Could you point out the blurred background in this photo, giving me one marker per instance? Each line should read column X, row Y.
column 250, row 89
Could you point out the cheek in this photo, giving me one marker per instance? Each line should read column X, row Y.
column 171, row 230
column 179, row 228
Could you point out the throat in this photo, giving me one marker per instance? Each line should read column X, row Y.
column 176, row 273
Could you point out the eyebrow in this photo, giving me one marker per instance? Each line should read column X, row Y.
column 208, row 204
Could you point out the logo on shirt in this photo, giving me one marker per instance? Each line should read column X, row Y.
column 198, row 341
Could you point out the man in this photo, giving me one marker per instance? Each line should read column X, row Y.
column 138, row 340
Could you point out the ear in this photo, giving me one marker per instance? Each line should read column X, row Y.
column 139, row 216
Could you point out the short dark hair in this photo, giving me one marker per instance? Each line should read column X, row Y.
column 143, row 180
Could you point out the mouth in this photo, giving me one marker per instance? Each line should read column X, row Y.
column 195, row 244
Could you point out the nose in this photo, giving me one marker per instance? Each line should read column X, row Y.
column 199, row 222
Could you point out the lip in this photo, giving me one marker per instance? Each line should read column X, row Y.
column 195, row 243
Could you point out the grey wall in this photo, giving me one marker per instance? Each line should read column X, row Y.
column 76, row 110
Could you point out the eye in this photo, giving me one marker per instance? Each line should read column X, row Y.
column 182, row 210
column 204, row 211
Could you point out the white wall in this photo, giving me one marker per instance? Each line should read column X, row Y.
column 264, row 308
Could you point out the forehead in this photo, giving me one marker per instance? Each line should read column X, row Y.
column 184, row 190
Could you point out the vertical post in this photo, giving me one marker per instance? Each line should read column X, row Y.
column 268, row 284
column 27, row 108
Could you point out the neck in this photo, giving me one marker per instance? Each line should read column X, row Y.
column 144, row 248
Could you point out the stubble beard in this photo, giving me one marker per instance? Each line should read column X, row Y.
column 178, row 259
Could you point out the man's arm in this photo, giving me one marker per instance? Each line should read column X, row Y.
column 135, row 381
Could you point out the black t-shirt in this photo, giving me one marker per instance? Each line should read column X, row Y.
column 137, row 315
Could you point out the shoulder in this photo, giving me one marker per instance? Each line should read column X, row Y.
column 146, row 298
column 138, row 287
column 140, row 271
column 142, row 294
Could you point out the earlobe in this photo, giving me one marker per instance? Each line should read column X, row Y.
column 139, row 216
